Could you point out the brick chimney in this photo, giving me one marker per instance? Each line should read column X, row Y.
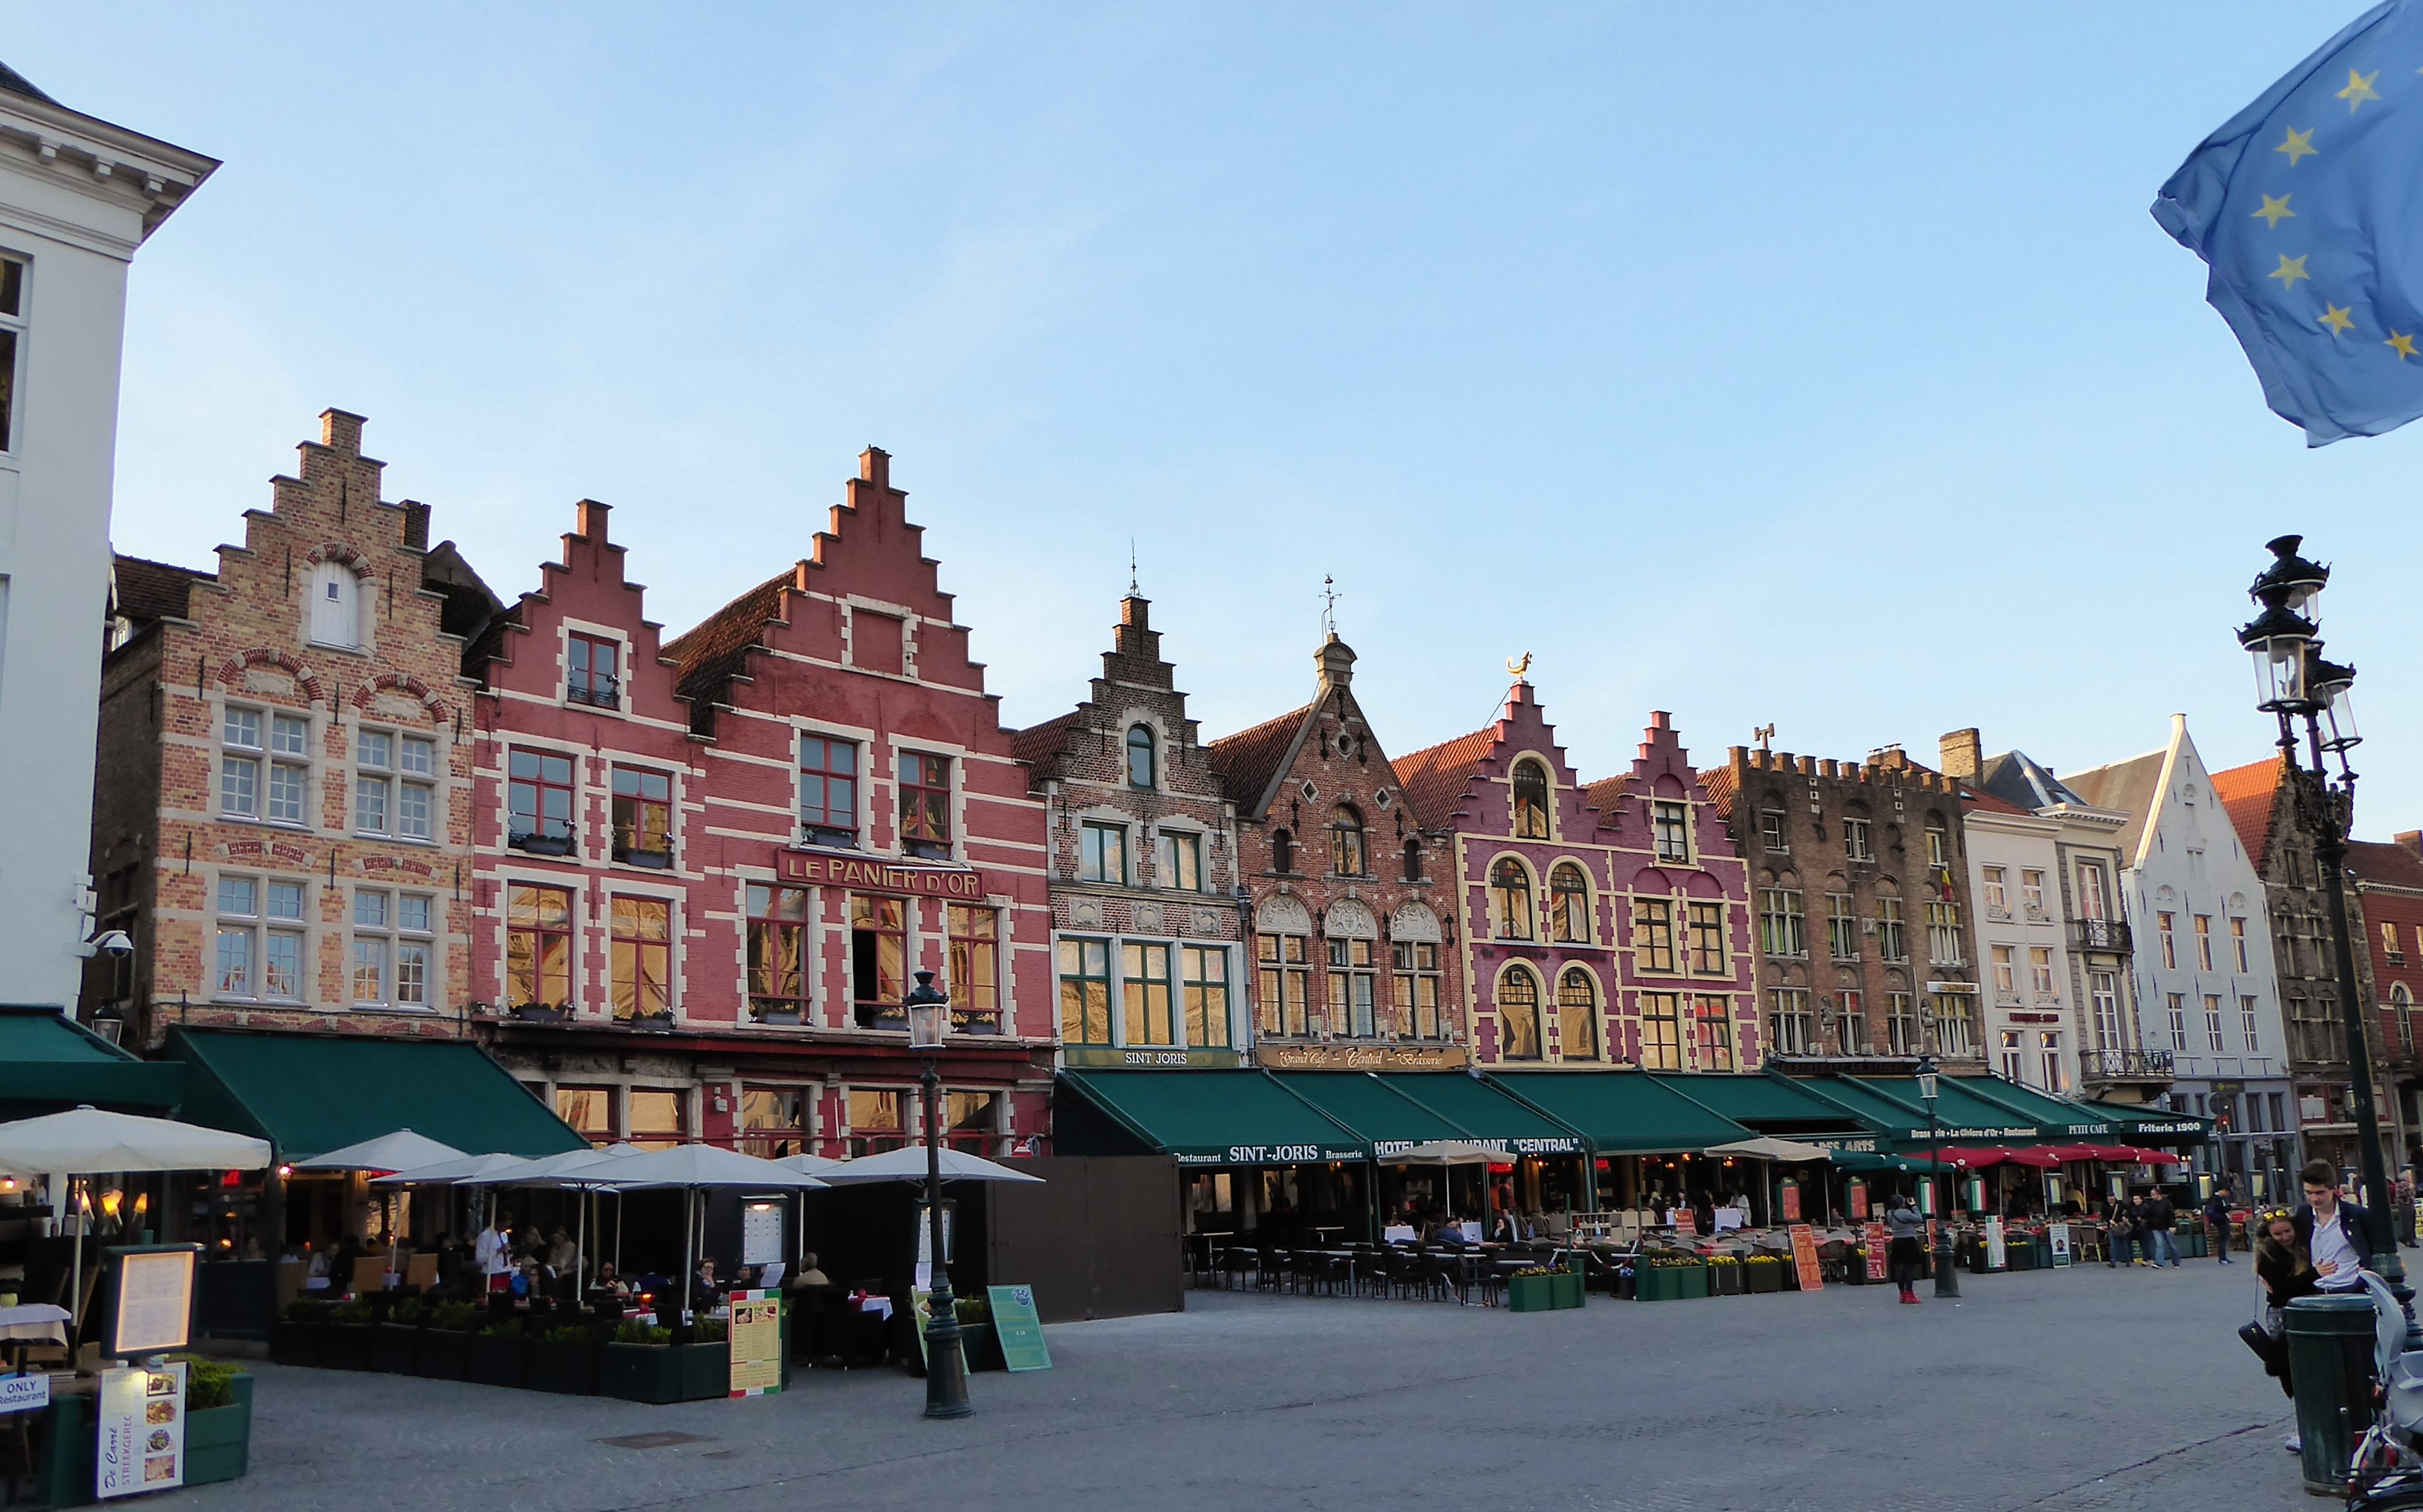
column 416, row 524
column 1961, row 753
column 2410, row 839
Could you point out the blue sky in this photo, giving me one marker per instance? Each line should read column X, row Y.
column 1812, row 365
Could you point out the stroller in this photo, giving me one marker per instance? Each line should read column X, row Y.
column 2387, row 1470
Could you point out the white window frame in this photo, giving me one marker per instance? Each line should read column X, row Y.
column 257, row 926
column 395, row 780
column 394, row 938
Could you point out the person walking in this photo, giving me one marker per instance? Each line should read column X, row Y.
column 2217, row 1221
column 1906, row 1249
column 2160, row 1216
column 2115, row 1232
column 2337, row 1235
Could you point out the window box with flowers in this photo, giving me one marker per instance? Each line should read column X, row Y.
column 1674, row 1278
column 1544, row 1289
column 1762, row 1273
column 1724, row 1275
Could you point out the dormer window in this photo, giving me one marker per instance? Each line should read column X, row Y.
column 1530, row 801
column 1141, row 757
column 335, row 606
column 592, row 671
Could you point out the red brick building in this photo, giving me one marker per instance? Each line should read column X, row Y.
column 1353, row 962
column 2387, row 902
column 283, row 813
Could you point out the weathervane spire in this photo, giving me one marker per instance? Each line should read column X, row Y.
column 1329, row 604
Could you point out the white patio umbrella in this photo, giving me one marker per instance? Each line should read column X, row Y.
column 696, row 1168
column 86, row 1140
column 399, row 1151
column 908, row 1163
column 1766, row 1147
column 1445, row 1153
column 581, row 1169
column 813, row 1165
column 449, row 1173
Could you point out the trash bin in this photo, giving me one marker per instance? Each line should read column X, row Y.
column 2330, row 1362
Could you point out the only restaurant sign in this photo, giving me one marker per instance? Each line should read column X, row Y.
column 841, row 869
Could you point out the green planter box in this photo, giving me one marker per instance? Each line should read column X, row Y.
column 1531, row 1294
column 441, row 1354
column 394, row 1347
column 981, row 1345
column 566, row 1369
column 1763, row 1277
column 1695, row 1282
column 218, row 1440
column 295, row 1344
column 705, row 1370
column 1674, row 1284
column 1724, row 1281
column 495, row 1358
column 2019, row 1253
column 638, row 1372
column 1566, row 1289
column 346, row 1346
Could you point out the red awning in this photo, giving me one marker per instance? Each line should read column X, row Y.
column 2042, row 1158
column 1977, row 1159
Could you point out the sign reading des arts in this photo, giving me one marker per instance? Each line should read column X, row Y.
column 866, row 875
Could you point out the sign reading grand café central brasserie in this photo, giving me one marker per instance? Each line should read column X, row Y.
column 864, row 874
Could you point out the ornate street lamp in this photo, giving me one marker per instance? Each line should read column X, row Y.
column 946, row 1369
column 2293, row 682
column 1947, row 1278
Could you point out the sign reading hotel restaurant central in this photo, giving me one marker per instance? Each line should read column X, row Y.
column 842, row 869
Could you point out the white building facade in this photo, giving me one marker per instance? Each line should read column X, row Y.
column 2205, row 984
column 2013, row 863
column 77, row 196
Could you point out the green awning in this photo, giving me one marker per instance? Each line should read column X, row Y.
column 2062, row 1120
column 1382, row 1114
column 1621, row 1113
column 1767, row 1103
column 50, row 1063
column 1487, row 1114
column 1207, row 1118
column 2162, row 1125
column 1892, row 1107
column 310, row 1094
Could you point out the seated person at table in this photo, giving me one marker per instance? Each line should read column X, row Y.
column 561, row 1254
column 607, row 1281
column 808, row 1275
column 706, row 1290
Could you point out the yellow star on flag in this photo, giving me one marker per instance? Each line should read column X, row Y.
column 2401, row 343
column 2336, row 317
column 2289, row 271
column 2299, row 145
column 2359, row 88
column 2273, row 211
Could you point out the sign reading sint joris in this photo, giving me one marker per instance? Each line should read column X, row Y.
column 823, row 869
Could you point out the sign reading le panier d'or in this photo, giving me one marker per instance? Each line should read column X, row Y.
column 865, row 873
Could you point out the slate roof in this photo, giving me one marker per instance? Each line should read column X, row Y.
column 149, row 590
column 1434, row 778
column 1249, row 760
column 711, row 654
column 2246, row 793
column 16, row 82
column 2387, row 865
column 2123, row 787
column 2019, row 778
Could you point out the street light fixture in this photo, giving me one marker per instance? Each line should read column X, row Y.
column 946, row 1369
column 1947, row 1279
column 2292, row 681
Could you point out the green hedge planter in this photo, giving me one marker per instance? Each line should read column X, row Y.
column 565, row 1369
column 218, row 1440
column 639, row 1373
column 1530, row 1294
column 496, row 1359
column 705, row 1370
column 394, row 1347
column 1566, row 1288
column 346, row 1346
column 1674, row 1284
column 441, row 1354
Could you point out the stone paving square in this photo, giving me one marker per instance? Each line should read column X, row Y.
column 2063, row 1390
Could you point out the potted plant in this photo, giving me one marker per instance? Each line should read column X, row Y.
column 294, row 1338
column 218, row 1421
column 977, row 1340
column 395, row 1339
column 1724, row 1275
column 345, row 1338
column 496, row 1354
column 660, row 1018
column 443, row 1346
column 564, row 1360
column 778, row 1016
column 540, row 1012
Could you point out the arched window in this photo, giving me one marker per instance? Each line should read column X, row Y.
column 1140, row 757
column 1518, row 1010
column 2404, row 1001
column 1412, row 861
column 1510, row 899
column 1568, row 919
column 335, row 606
column 1530, row 801
column 1282, row 851
column 1578, row 1015
column 1346, row 842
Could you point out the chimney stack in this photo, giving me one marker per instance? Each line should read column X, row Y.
column 1961, row 753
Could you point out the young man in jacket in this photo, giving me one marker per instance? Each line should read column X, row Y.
column 2160, row 1216
column 2337, row 1234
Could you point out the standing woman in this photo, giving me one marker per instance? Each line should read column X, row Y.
column 1907, row 1252
column 2286, row 1269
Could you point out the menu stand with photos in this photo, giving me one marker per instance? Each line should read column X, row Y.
column 148, row 1307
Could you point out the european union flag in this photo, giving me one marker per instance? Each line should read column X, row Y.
column 2309, row 207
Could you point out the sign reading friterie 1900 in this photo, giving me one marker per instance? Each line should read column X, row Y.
column 869, row 874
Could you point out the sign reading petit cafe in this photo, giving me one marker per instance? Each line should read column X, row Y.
column 826, row 869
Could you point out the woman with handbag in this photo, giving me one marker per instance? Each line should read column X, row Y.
column 2287, row 1273
column 1906, row 1252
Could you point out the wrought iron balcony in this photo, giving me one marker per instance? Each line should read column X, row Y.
column 2102, row 934
column 2126, row 1065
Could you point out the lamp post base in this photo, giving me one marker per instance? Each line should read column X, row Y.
column 947, row 1368
column 1947, row 1271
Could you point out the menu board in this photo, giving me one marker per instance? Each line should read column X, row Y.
column 1019, row 1330
column 1880, row 1251
column 1996, row 1258
column 761, row 1232
column 1859, row 1190
column 756, row 1335
column 2059, row 1235
column 1792, row 1202
column 1804, row 1258
column 155, row 1301
column 1685, row 1221
column 142, row 1441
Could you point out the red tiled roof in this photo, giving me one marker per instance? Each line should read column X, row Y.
column 1248, row 760
column 1719, row 781
column 149, row 590
column 710, row 655
column 1039, row 744
column 1979, row 798
column 2247, row 794
column 1434, row 778
column 1607, row 795
column 2395, row 866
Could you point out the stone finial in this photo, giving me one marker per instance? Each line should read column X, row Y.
column 1335, row 659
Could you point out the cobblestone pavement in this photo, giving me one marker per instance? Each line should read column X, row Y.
column 2076, row 1391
